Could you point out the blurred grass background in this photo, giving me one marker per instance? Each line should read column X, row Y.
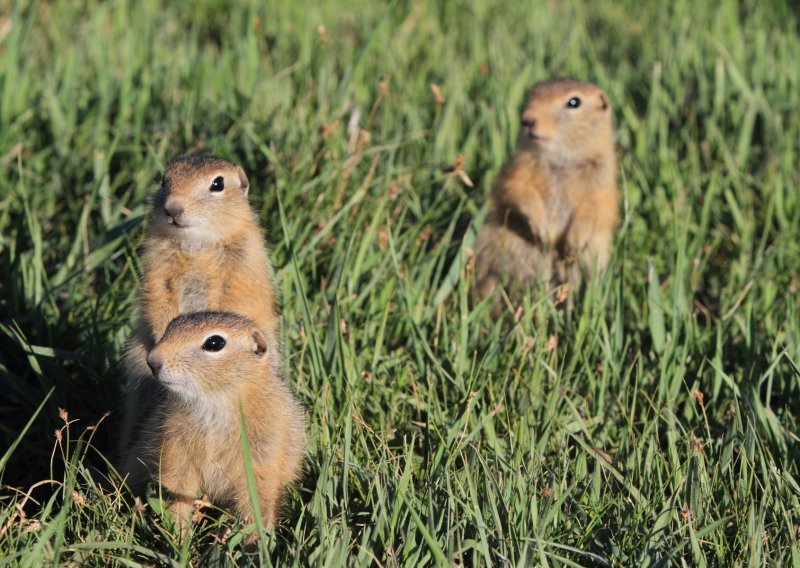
column 656, row 424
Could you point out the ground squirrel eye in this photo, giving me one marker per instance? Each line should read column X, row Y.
column 214, row 343
column 218, row 184
column 574, row 102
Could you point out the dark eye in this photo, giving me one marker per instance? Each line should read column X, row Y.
column 574, row 102
column 218, row 184
column 214, row 343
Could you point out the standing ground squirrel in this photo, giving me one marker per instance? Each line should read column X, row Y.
column 556, row 199
column 203, row 251
column 216, row 367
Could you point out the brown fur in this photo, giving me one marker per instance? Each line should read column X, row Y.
column 193, row 437
column 204, row 251
column 555, row 201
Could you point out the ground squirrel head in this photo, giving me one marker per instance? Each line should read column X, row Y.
column 209, row 354
column 566, row 120
column 201, row 199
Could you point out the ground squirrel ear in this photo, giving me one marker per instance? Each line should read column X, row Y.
column 259, row 344
column 243, row 181
column 603, row 102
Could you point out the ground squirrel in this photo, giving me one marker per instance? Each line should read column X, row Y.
column 555, row 201
column 203, row 251
column 216, row 367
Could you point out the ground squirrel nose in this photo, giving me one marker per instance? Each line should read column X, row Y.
column 174, row 212
column 154, row 363
column 529, row 125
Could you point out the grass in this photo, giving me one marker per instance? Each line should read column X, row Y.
column 655, row 425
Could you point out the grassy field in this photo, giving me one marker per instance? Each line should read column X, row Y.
column 657, row 424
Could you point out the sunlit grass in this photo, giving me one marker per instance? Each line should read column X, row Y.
column 655, row 424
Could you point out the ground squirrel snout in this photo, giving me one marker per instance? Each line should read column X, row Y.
column 216, row 367
column 553, row 207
